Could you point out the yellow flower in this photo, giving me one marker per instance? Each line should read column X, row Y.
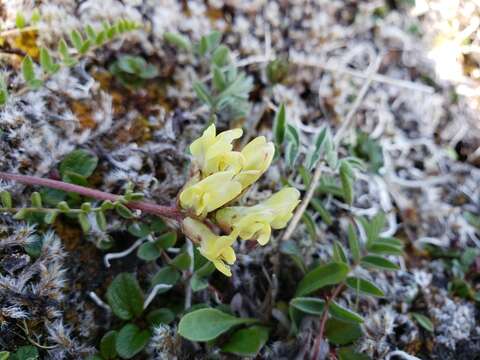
column 213, row 153
column 258, row 155
column 217, row 249
column 210, row 193
column 256, row 222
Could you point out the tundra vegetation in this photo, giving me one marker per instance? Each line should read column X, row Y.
column 168, row 192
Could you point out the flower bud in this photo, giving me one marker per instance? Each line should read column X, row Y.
column 217, row 249
column 213, row 153
column 258, row 155
column 210, row 193
column 256, row 222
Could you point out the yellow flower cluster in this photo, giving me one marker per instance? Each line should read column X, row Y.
column 220, row 175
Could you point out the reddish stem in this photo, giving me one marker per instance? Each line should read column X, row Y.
column 323, row 321
column 147, row 207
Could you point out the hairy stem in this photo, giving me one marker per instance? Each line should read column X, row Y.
column 147, row 207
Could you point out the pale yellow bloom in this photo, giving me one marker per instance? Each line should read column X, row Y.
column 217, row 249
column 256, row 222
column 258, row 155
column 210, row 193
column 213, row 153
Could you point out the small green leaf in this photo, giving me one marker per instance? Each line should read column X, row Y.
column 125, row 296
column 84, row 222
column 202, row 93
column 51, row 216
column 148, row 251
column 348, row 353
column 182, row 261
column 315, row 154
column 472, row 219
column 208, row 43
column 305, row 175
column 247, row 342
column 86, row 207
column 112, row 31
column 177, row 40
column 354, row 244
column 373, row 227
column 167, row 276
column 293, row 145
column 321, row 276
column 76, row 39
column 339, row 254
column 310, row 224
column 308, row 305
column 28, row 73
column 86, row 44
column 279, row 125
column 344, row 314
column 131, row 340
column 277, row 71
column 369, row 150
column 80, row 162
column 167, row 240
column 204, row 270
column 198, row 283
column 20, row 21
column 160, row 316
column 391, row 241
column 383, row 248
column 331, row 154
column 221, row 56
column 91, row 33
column 346, row 178
column 378, row 262
column 342, row 333
column 36, row 16
column 158, row 225
column 296, row 317
column 3, row 91
column 74, row 178
column 213, row 323
column 139, row 229
column 4, row 355
column 322, row 211
column 364, row 286
column 6, row 198
column 63, row 206
column 290, row 248
column 123, row 211
column 47, row 62
column 101, row 38
column 101, row 220
column 27, row 352
column 424, row 321
column 67, row 59
column 63, row 49
column 21, row 214
column 218, row 79
column 107, row 345
column 107, row 205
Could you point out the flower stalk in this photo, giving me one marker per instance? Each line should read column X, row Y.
column 146, row 207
